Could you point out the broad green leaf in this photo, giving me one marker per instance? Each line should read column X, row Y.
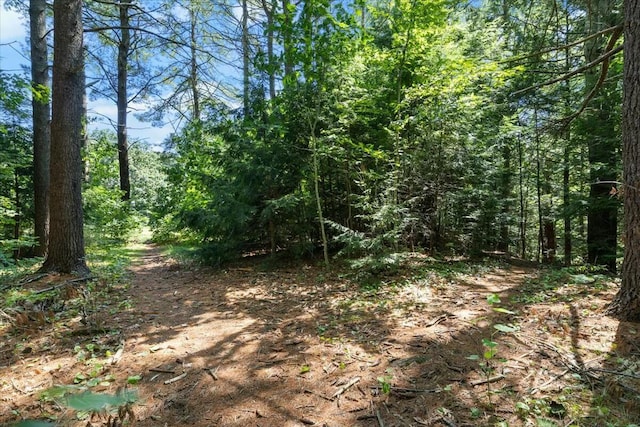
column 489, row 343
column 503, row 310
column 505, row 328
column 493, row 299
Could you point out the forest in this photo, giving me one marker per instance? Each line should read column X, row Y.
column 384, row 173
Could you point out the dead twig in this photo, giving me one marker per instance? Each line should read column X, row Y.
column 63, row 284
column 213, row 372
column 487, row 380
column 162, row 371
column 556, row 378
column 439, row 319
column 174, row 379
column 32, row 279
column 345, row 387
column 379, row 418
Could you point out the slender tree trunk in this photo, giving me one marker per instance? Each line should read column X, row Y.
column 541, row 249
column 626, row 304
column 245, row 59
column 566, row 200
column 271, row 60
column 602, row 216
column 566, row 160
column 316, row 187
column 123, row 70
column 85, row 135
column 287, row 44
column 193, row 78
column 41, row 116
column 505, row 184
column 523, row 212
column 66, row 237
column 17, row 217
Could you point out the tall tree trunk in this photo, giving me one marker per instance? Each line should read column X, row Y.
column 123, row 64
column 523, row 211
column 505, row 184
column 193, row 77
column 626, row 304
column 268, row 11
column 602, row 216
column 41, row 116
column 566, row 159
column 287, row 43
column 566, row 200
column 66, row 237
column 245, row 58
column 17, row 216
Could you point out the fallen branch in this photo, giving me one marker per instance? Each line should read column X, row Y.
column 174, row 379
column 63, row 284
column 318, row 394
column 416, row 390
column 345, row 387
column 162, row 371
column 439, row 319
column 606, row 371
column 213, row 372
column 34, row 278
column 556, row 378
column 379, row 418
column 487, row 380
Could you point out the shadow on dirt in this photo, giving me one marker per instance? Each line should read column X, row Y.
column 301, row 345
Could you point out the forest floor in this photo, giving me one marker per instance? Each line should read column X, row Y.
column 295, row 344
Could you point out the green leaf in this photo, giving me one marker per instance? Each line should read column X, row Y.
column 505, row 328
column 503, row 310
column 490, row 353
column 493, row 299
column 304, row 369
column 473, row 357
column 89, row 401
column 541, row 422
column 134, row 379
column 489, row 343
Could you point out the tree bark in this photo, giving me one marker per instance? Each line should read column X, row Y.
column 123, row 101
column 268, row 11
column 245, row 59
column 626, row 304
column 193, row 77
column 66, row 238
column 41, row 116
column 602, row 216
column 287, row 43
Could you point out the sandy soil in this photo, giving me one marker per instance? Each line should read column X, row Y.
column 299, row 345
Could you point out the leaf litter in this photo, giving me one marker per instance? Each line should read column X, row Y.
column 299, row 345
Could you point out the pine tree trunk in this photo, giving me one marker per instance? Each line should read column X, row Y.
column 123, row 64
column 245, row 59
column 41, row 116
column 626, row 304
column 602, row 216
column 566, row 200
column 66, row 237
column 193, row 77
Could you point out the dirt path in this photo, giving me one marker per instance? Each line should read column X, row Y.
column 298, row 345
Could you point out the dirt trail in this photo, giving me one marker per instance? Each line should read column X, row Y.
column 298, row 345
